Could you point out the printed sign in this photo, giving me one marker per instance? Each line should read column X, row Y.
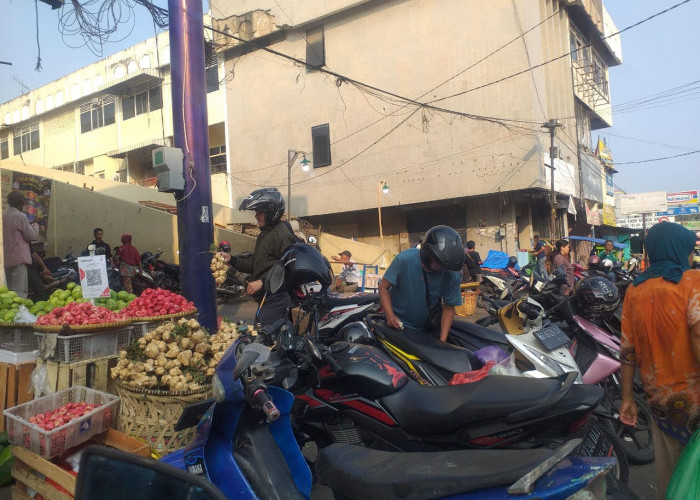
column 682, row 198
column 639, row 203
column 680, row 210
column 93, row 276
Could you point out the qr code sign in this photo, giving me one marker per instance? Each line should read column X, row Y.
column 93, row 277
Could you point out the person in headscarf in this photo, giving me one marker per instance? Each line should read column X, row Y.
column 129, row 263
column 661, row 335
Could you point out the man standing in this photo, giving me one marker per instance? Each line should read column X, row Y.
column 609, row 252
column 101, row 247
column 473, row 264
column 349, row 278
column 275, row 237
column 17, row 234
column 539, row 251
column 418, row 281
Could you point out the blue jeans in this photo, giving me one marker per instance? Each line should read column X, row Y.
column 542, row 268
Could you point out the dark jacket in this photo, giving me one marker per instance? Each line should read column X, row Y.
column 269, row 247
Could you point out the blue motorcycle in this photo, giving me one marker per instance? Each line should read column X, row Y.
column 245, row 447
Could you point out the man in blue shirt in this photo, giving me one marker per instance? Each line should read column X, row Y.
column 403, row 293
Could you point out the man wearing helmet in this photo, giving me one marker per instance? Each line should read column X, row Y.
column 418, row 281
column 275, row 237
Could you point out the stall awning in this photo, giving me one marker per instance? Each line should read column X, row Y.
column 132, row 83
column 146, row 146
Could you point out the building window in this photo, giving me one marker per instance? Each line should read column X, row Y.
column 142, row 102
column 579, row 47
column 77, row 167
column 26, row 139
column 321, row 141
column 217, row 157
column 4, row 148
column 315, row 48
column 97, row 114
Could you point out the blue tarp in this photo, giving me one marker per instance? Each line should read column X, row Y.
column 599, row 241
column 497, row 260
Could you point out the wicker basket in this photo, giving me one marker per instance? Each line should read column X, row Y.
column 144, row 325
column 468, row 304
column 151, row 416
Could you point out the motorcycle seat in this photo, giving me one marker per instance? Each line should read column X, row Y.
column 360, row 472
column 424, row 410
column 448, row 357
column 467, row 333
column 332, row 300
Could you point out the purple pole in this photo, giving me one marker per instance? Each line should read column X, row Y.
column 191, row 134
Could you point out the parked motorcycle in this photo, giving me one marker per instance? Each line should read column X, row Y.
column 156, row 273
column 244, row 445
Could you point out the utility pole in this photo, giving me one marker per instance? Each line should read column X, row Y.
column 195, row 226
column 552, row 126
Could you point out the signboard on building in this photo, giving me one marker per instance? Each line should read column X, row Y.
column 636, row 222
column 593, row 215
column 639, row 203
column 693, row 225
column 609, row 215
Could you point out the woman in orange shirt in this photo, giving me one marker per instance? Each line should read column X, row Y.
column 661, row 335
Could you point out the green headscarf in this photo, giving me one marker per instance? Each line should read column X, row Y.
column 668, row 246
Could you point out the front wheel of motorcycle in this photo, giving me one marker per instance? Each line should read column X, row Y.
column 637, row 442
column 621, row 473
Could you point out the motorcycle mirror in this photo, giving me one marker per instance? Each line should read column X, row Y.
column 275, row 278
column 111, row 474
column 311, row 347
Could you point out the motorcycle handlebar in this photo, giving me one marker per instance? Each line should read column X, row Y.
column 262, row 400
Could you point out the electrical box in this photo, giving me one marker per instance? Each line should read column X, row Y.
column 167, row 163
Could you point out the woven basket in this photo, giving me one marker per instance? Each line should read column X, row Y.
column 468, row 304
column 67, row 329
column 151, row 416
column 144, row 325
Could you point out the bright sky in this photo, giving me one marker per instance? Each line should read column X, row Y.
column 658, row 56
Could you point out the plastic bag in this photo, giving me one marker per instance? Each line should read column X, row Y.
column 685, row 482
column 39, row 381
column 24, row 316
column 472, row 376
column 506, row 367
column 491, row 353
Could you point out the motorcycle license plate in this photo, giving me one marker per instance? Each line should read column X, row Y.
column 596, row 443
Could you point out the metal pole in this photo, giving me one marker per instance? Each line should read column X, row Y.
column 291, row 158
column 644, row 241
column 552, row 125
column 191, row 134
column 379, row 209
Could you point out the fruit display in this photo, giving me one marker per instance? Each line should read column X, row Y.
column 157, row 302
column 9, row 304
column 219, row 267
column 55, row 418
column 176, row 356
column 79, row 313
column 74, row 293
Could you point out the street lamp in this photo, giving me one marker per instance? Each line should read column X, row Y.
column 292, row 156
column 381, row 188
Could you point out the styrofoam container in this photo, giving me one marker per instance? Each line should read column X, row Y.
column 16, row 358
column 48, row 444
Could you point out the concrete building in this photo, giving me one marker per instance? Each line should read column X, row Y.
column 347, row 84
column 441, row 101
column 104, row 120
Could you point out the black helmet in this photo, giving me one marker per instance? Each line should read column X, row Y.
column 225, row 246
column 607, row 265
column 512, row 261
column 266, row 200
column 596, row 296
column 593, row 262
column 356, row 332
column 303, row 264
column 443, row 245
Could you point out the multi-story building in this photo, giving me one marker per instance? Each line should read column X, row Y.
column 441, row 101
column 105, row 119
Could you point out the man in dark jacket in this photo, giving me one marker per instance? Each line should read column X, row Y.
column 275, row 237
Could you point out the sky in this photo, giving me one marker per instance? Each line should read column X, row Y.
column 658, row 56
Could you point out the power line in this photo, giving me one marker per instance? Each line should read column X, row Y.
column 658, row 159
column 558, row 57
column 644, row 141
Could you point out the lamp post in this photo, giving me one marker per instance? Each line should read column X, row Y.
column 381, row 188
column 292, row 156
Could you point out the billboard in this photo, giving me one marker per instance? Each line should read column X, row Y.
column 639, row 203
column 682, row 198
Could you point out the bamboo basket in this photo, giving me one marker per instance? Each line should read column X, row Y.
column 468, row 304
column 151, row 416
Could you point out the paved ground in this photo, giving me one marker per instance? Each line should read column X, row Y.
column 642, row 477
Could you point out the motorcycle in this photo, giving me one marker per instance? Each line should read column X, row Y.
column 156, row 273
column 245, row 447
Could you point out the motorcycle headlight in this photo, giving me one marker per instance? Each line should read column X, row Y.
column 218, row 389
